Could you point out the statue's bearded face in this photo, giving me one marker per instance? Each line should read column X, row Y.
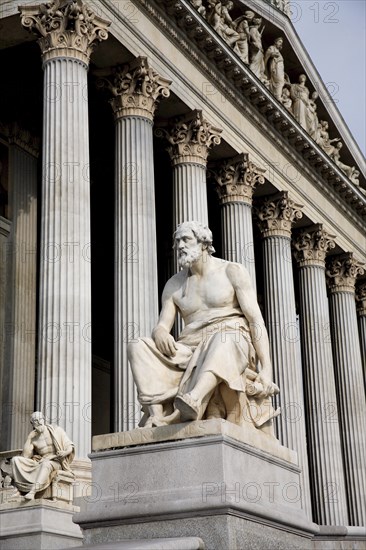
column 189, row 249
column 38, row 424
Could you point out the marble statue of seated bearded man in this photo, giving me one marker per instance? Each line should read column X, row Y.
column 215, row 357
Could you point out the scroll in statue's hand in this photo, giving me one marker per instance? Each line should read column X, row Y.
column 164, row 342
column 269, row 387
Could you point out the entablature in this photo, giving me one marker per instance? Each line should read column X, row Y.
column 183, row 23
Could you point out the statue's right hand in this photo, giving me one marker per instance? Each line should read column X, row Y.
column 164, row 342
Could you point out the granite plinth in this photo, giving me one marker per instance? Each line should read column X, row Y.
column 227, row 492
column 40, row 524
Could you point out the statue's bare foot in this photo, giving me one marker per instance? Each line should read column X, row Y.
column 30, row 495
column 189, row 408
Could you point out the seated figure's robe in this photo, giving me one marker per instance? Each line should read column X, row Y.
column 220, row 344
column 25, row 469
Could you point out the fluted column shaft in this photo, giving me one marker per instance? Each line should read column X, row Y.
column 64, row 373
column 361, row 315
column 189, row 139
column 189, row 193
column 20, row 336
column 5, row 228
column 67, row 36
column 349, row 380
column 136, row 287
column 324, row 444
column 280, row 315
column 236, row 179
column 136, row 89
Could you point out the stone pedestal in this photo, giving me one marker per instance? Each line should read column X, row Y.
column 236, row 180
column 40, row 524
column 208, row 479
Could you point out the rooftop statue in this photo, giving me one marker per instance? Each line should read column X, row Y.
column 300, row 101
column 211, row 370
column 46, row 451
column 274, row 64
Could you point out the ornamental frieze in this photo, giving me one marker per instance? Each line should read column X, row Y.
column 244, row 34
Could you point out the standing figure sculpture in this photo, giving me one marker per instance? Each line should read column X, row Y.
column 275, row 68
column 47, row 450
column 256, row 57
column 241, row 25
column 312, row 116
column 300, row 101
column 213, row 363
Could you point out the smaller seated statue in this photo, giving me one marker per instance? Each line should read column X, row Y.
column 46, row 451
column 220, row 365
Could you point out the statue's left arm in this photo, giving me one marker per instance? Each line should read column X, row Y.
column 240, row 279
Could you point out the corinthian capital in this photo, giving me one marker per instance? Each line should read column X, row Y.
column 311, row 245
column 277, row 214
column 236, row 179
column 190, row 138
column 361, row 298
column 342, row 271
column 136, row 89
column 67, row 28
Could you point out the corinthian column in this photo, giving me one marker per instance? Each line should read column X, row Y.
column 190, row 139
column 68, row 33
column 20, row 335
column 341, row 276
column 236, row 179
column 276, row 215
column 136, row 89
column 361, row 313
column 324, row 443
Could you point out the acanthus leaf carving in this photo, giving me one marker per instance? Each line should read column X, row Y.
column 277, row 214
column 136, row 88
column 311, row 245
column 342, row 272
column 190, row 138
column 236, row 179
column 69, row 28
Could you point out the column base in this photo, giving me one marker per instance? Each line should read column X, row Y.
column 39, row 524
column 203, row 483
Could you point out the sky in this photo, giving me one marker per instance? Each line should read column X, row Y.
column 334, row 34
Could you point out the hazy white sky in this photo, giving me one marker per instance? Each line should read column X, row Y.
column 334, row 34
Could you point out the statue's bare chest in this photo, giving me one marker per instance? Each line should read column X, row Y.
column 202, row 293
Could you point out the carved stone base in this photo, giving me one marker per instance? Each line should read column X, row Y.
column 41, row 524
column 202, row 483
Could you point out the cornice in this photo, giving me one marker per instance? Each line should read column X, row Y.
column 194, row 34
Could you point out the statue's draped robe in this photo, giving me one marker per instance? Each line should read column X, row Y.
column 25, row 470
column 219, row 344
